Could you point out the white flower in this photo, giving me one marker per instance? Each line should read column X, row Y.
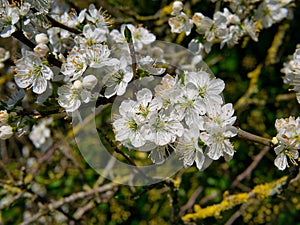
column 96, row 17
column 159, row 154
column 270, row 12
column 92, row 35
column 181, row 23
column 189, row 149
column 218, row 129
column 3, row 117
column 5, row 132
column 147, row 63
column 190, row 105
column 9, row 16
column 30, row 71
column 118, row 79
column 288, row 141
column 128, row 128
column 71, row 96
column 209, row 89
column 163, row 129
column 75, row 65
column 98, row 56
column 140, row 36
column 71, row 19
column 292, row 73
column 40, row 135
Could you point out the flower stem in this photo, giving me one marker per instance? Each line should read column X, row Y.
column 254, row 138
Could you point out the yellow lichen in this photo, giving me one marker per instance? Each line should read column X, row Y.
column 259, row 192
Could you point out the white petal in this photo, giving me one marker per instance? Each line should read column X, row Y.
column 281, row 161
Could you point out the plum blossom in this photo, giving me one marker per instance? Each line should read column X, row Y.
column 72, row 95
column 31, row 71
column 218, row 129
column 288, row 140
column 40, row 135
column 292, row 73
column 118, row 79
column 9, row 16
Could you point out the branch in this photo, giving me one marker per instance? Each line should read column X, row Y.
column 254, row 138
column 56, row 23
column 260, row 192
column 248, row 171
column 69, row 199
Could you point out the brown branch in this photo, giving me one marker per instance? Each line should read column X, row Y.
column 254, row 138
column 191, row 201
column 56, row 23
column 69, row 199
column 251, row 167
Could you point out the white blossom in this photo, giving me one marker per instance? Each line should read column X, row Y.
column 9, row 16
column 40, row 135
column 189, row 150
column 118, row 79
column 181, row 23
column 288, row 133
column 218, row 129
column 30, row 71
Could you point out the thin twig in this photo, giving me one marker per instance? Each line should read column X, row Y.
column 251, row 167
column 69, row 199
column 191, row 201
column 254, row 138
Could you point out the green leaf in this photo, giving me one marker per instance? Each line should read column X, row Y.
column 128, row 35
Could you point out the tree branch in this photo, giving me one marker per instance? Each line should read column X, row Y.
column 254, row 138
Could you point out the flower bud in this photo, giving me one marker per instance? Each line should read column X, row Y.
column 77, row 85
column 41, row 49
column 41, row 38
column 3, row 117
column 177, row 7
column 89, row 82
column 5, row 132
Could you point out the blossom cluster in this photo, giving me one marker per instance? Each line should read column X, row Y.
column 78, row 59
column 184, row 113
column 288, row 140
column 291, row 70
column 242, row 18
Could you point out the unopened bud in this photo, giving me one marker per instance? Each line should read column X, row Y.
column 41, row 49
column 89, row 82
column 77, row 85
column 41, row 38
column 177, row 7
column 5, row 132
column 3, row 117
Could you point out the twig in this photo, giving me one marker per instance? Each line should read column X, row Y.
column 254, row 138
column 57, row 204
column 248, row 171
column 236, row 215
column 63, row 26
column 191, row 201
